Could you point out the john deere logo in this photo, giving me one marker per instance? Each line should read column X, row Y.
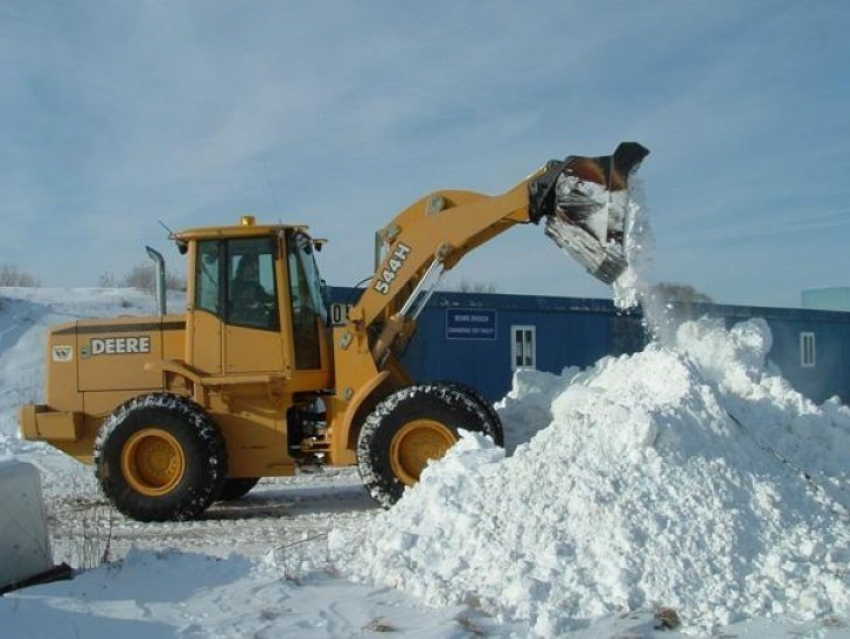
column 118, row 345
column 63, row 353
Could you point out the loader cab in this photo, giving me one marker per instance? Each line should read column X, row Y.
column 256, row 304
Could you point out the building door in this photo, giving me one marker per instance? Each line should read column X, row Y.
column 523, row 347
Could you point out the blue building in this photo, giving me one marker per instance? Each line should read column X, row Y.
column 482, row 338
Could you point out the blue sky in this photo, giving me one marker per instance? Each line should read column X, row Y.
column 339, row 114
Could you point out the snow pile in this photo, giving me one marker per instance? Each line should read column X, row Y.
column 527, row 408
column 667, row 478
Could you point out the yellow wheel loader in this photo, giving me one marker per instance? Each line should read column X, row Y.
column 178, row 411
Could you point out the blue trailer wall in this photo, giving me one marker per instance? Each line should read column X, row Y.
column 570, row 332
column 467, row 337
column 573, row 332
column 830, row 374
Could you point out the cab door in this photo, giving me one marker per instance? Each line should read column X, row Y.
column 235, row 315
column 237, row 337
column 252, row 334
column 206, row 314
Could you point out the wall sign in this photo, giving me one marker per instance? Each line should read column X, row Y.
column 470, row 323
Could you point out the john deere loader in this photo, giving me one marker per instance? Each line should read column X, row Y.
column 177, row 411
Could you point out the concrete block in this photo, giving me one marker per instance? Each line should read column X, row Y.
column 24, row 541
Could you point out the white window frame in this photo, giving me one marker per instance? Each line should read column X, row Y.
column 808, row 352
column 529, row 359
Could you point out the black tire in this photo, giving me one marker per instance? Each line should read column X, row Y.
column 489, row 414
column 160, row 457
column 236, row 488
column 410, row 427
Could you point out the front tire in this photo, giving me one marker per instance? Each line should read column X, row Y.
column 488, row 413
column 411, row 427
column 160, row 457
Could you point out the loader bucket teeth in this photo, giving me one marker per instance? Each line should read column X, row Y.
column 587, row 207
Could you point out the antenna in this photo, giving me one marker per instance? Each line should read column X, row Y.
column 165, row 226
column 181, row 245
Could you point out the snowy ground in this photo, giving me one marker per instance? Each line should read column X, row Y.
column 672, row 478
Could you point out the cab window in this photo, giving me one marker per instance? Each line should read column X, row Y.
column 207, row 277
column 251, row 293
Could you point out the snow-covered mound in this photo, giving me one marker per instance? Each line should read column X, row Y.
column 673, row 477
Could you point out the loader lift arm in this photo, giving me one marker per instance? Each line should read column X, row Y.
column 432, row 235
column 585, row 205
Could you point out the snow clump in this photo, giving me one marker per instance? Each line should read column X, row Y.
column 687, row 477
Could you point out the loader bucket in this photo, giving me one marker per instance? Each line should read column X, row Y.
column 586, row 206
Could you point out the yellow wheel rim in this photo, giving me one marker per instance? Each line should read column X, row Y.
column 416, row 443
column 153, row 462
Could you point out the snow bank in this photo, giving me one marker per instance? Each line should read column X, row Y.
column 671, row 477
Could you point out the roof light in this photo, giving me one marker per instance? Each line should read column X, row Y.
column 247, row 220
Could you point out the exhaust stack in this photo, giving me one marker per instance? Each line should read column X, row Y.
column 587, row 207
column 159, row 261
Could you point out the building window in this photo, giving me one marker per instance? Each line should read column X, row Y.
column 523, row 347
column 807, row 350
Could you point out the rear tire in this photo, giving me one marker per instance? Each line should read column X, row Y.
column 236, row 487
column 160, row 457
column 409, row 428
